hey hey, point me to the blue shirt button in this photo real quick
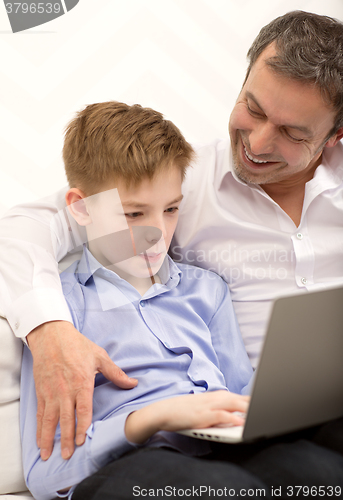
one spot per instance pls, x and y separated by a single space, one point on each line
142 303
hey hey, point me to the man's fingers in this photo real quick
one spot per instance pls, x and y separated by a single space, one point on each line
113 373
47 433
39 416
65 363
83 414
67 424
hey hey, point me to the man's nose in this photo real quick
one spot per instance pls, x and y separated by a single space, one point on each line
262 139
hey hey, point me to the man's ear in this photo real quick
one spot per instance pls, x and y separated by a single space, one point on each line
335 138
76 202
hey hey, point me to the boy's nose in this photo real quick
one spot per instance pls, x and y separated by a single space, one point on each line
153 234
144 237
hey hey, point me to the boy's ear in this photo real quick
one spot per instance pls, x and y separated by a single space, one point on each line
335 138
77 207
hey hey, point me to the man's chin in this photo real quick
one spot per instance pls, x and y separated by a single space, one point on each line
246 177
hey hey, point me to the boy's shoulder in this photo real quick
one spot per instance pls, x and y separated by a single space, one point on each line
203 290
69 278
73 294
201 278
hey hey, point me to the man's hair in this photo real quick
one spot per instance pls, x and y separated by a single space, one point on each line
309 48
112 140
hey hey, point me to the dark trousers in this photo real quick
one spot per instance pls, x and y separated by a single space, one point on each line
306 464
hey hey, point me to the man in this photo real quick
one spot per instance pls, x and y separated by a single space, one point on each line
277 216
267 214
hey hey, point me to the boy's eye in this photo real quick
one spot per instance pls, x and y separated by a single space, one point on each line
171 210
133 215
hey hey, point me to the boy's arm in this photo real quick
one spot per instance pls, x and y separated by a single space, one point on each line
185 412
108 439
31 298
209 408
105 441
228 344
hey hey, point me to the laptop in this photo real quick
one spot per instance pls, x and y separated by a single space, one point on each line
299 380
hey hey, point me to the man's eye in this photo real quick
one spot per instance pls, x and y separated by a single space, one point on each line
133 215
253 112
294 139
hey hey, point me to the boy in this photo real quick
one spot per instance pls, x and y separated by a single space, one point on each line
170 327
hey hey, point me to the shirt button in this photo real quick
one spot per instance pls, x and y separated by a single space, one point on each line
303 281
142 303
300 236
16 326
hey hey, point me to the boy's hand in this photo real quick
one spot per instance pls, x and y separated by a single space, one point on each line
64 366
185 412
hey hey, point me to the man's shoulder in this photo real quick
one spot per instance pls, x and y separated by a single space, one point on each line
214 151
211 163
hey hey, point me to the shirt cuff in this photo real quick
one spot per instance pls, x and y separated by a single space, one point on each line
36 307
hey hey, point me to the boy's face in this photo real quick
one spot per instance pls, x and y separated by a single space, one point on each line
152 204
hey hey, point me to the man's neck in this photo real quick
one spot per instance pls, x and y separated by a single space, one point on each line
289 194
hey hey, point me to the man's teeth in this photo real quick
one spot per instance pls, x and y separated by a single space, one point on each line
253 159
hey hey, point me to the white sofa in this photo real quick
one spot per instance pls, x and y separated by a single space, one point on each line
12 484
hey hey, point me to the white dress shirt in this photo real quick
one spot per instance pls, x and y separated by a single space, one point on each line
238 231
225 225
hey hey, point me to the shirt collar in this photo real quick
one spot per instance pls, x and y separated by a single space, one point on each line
88 266
227 168
330 171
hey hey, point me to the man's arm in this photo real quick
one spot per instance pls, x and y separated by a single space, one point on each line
32 300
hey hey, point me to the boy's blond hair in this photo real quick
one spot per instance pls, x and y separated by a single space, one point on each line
112 140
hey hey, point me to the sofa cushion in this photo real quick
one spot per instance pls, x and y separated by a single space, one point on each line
11 477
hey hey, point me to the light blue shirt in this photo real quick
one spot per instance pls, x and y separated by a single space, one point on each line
181 337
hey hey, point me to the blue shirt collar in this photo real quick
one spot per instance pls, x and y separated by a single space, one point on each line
169 273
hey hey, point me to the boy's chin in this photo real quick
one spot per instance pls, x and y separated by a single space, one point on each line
147 269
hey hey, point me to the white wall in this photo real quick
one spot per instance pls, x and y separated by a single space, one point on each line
185 58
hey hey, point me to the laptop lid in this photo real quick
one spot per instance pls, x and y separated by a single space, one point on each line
299 379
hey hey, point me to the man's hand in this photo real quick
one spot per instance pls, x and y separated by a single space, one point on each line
185 412
64 366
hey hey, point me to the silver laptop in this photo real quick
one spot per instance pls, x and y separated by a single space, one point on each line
299 379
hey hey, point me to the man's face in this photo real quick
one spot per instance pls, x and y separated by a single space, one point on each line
152 204
278 127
